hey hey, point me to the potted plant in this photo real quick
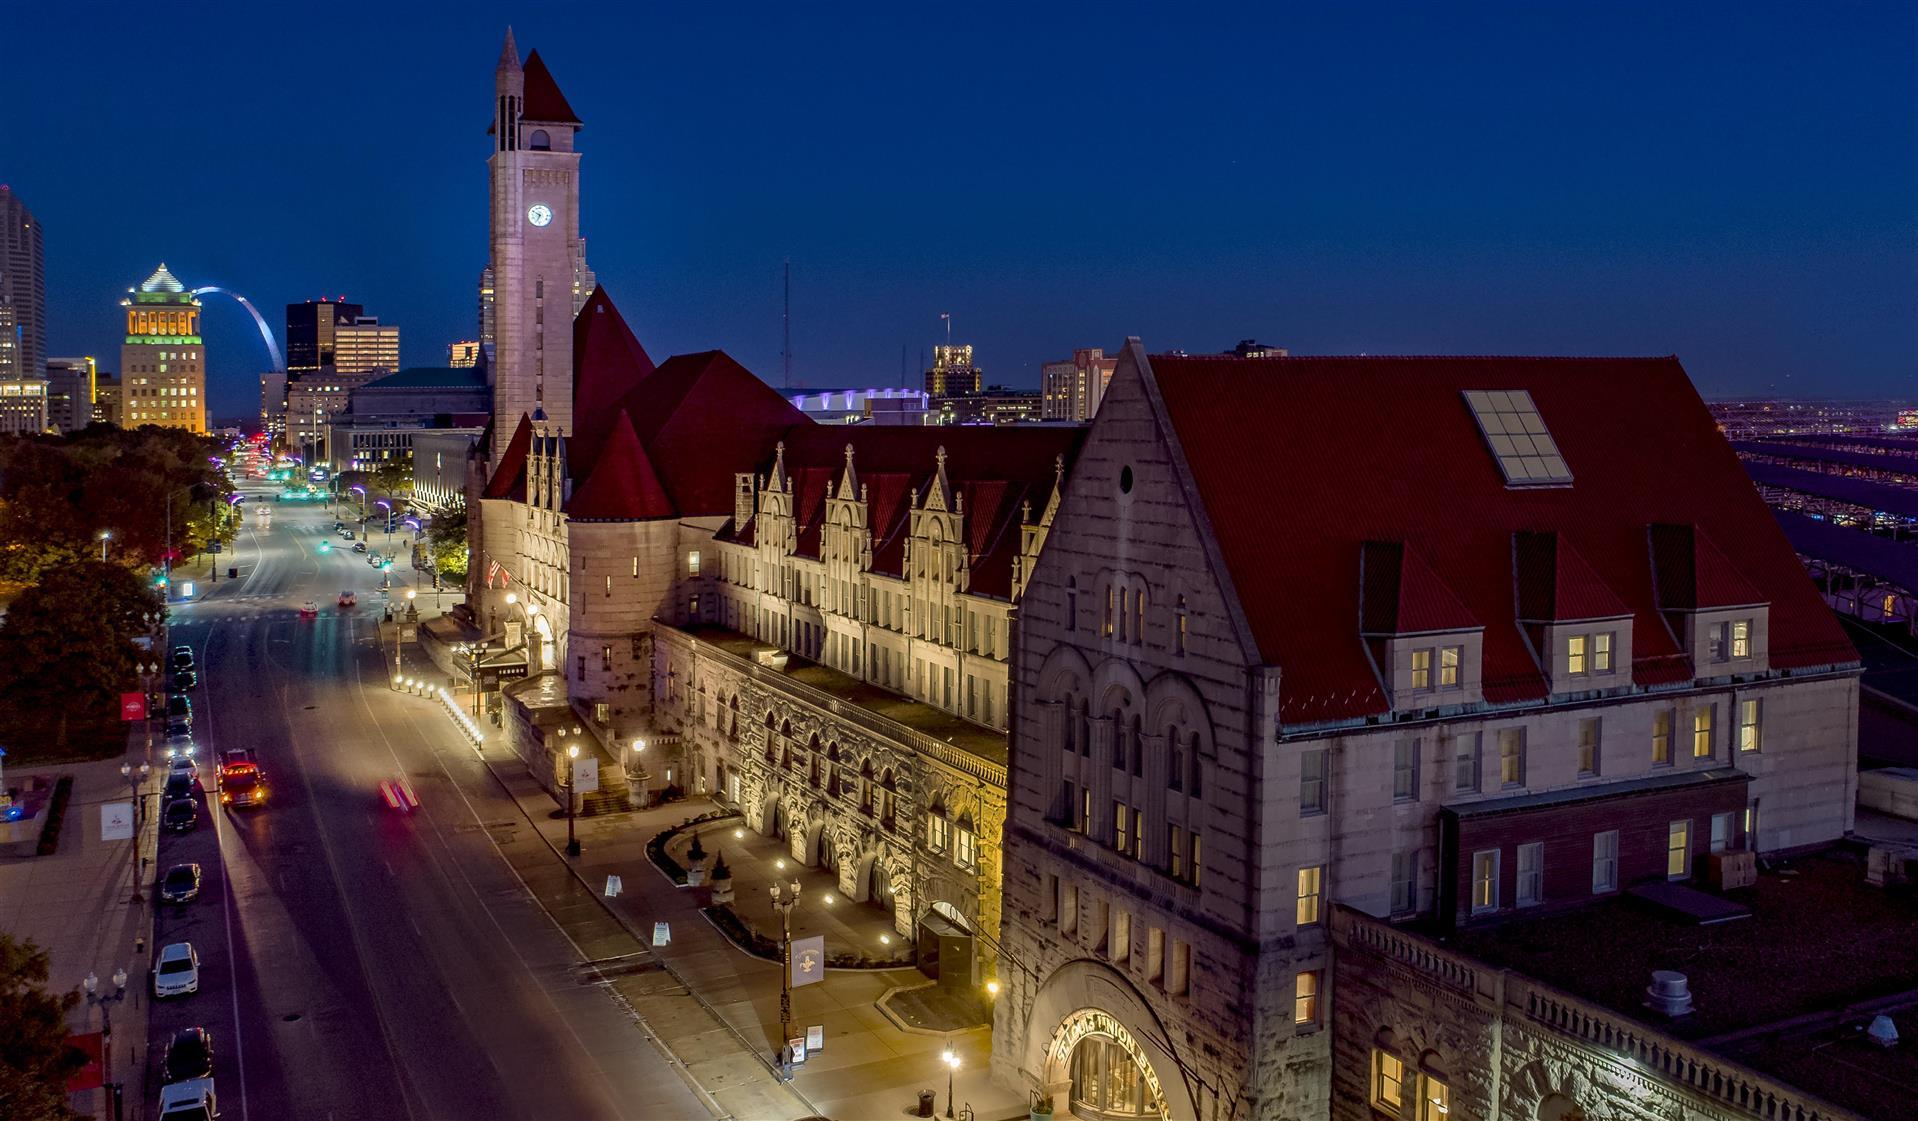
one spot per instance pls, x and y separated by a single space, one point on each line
722 881
1039 1106
695 863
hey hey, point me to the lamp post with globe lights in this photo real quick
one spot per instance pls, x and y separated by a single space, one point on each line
951 1058
136 866
785 898
105 1003
572 764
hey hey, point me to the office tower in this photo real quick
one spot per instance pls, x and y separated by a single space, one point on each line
70 392
162 360
365 349
953 373
1073 388
310 332
23 290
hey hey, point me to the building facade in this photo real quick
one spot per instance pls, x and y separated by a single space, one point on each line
162 357
23 290
1266 668
23 406
70 393
953 372
365 349
273 385
311 342
107 400
1072 389
463 355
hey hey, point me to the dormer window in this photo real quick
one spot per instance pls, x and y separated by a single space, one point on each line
1449 658
1741 638
1602 653
1575 655
1421 669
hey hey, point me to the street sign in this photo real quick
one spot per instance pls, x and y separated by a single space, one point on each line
214 548
809 960
491 676
585 774
116 821
133 706
662 934
613 887
796 1047
815 1037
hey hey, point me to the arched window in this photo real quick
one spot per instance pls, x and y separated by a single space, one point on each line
1118 738
786 745
1138 749
812 760
1175 758
732 731
1069 717
1084 720
865 787
887 800
1194 788
539 141
832 769
772 751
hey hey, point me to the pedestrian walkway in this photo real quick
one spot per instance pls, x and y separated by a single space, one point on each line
716 1008
852 929
76 904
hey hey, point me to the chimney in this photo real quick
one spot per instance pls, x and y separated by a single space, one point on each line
1669 994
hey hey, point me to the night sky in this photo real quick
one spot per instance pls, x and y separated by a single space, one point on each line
1732 183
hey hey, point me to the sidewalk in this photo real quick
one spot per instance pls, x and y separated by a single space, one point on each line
76 904
726 1029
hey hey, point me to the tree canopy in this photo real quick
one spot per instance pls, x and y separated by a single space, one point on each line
35 1058
446 538
67 651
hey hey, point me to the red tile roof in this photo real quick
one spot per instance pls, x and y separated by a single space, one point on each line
702 417
608 364
1400 594
1555 584
509 478
624 487
544 102
1301 461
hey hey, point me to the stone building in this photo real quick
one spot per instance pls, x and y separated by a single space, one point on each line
162 356
1440 639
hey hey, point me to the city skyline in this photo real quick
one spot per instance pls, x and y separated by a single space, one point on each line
1695 184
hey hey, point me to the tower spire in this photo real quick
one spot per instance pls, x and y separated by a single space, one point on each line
508 54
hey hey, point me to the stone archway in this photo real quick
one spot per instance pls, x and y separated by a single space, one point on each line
1093 1038
543 627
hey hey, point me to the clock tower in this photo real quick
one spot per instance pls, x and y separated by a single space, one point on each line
538 259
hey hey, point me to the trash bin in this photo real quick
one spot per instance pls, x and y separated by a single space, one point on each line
925 1103
233 573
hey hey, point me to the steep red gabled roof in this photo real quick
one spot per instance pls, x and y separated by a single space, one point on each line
509 478
608 364
1693 574
1386 449
544 102
703 417
1555 584
624 486
1400 594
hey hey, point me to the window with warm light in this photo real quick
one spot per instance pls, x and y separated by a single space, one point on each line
1388 1082
1742 638
1678 850
1662 721
1435 1099
1311 887
1421 669
1449 659
1484 881
1305 998
1575 655
1748 729
1702 732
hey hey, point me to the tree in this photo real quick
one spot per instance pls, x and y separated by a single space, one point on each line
66 652
394 477
446 535
35 1058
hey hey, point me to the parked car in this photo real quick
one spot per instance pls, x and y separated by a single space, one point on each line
176 729
309 610
183 657
182 763
180 784
359 546
181 884
191 1100
179 707
348 599
189 1054
337 526
182 815
243 786
184 679
177 972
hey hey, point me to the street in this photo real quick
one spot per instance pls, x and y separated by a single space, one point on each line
357 961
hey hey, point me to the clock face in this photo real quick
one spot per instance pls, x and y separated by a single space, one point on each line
539 214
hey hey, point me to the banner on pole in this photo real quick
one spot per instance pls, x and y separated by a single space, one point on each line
133 706
809 960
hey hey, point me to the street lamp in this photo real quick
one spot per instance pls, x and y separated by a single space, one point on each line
105 1003
785 898
639 748
388 507
952 1066
572 764
106 535
136 866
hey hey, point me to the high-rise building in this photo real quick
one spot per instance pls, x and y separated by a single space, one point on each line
106 400
463 355
488 318
310 332
162 358
365 349
70 393
23 290
1072 389
273 404
538 258
23 405
953 373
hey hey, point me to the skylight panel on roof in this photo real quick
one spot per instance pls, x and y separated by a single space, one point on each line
1518 438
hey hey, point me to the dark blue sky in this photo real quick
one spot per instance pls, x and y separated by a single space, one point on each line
1732 183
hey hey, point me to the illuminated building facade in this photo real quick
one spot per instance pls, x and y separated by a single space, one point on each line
70 393
23 406
953 373
463 355
162 357
1072 389
310 333
23 290
365 349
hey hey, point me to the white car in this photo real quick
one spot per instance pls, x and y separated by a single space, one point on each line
191 1100
182 764
177 972
178 746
